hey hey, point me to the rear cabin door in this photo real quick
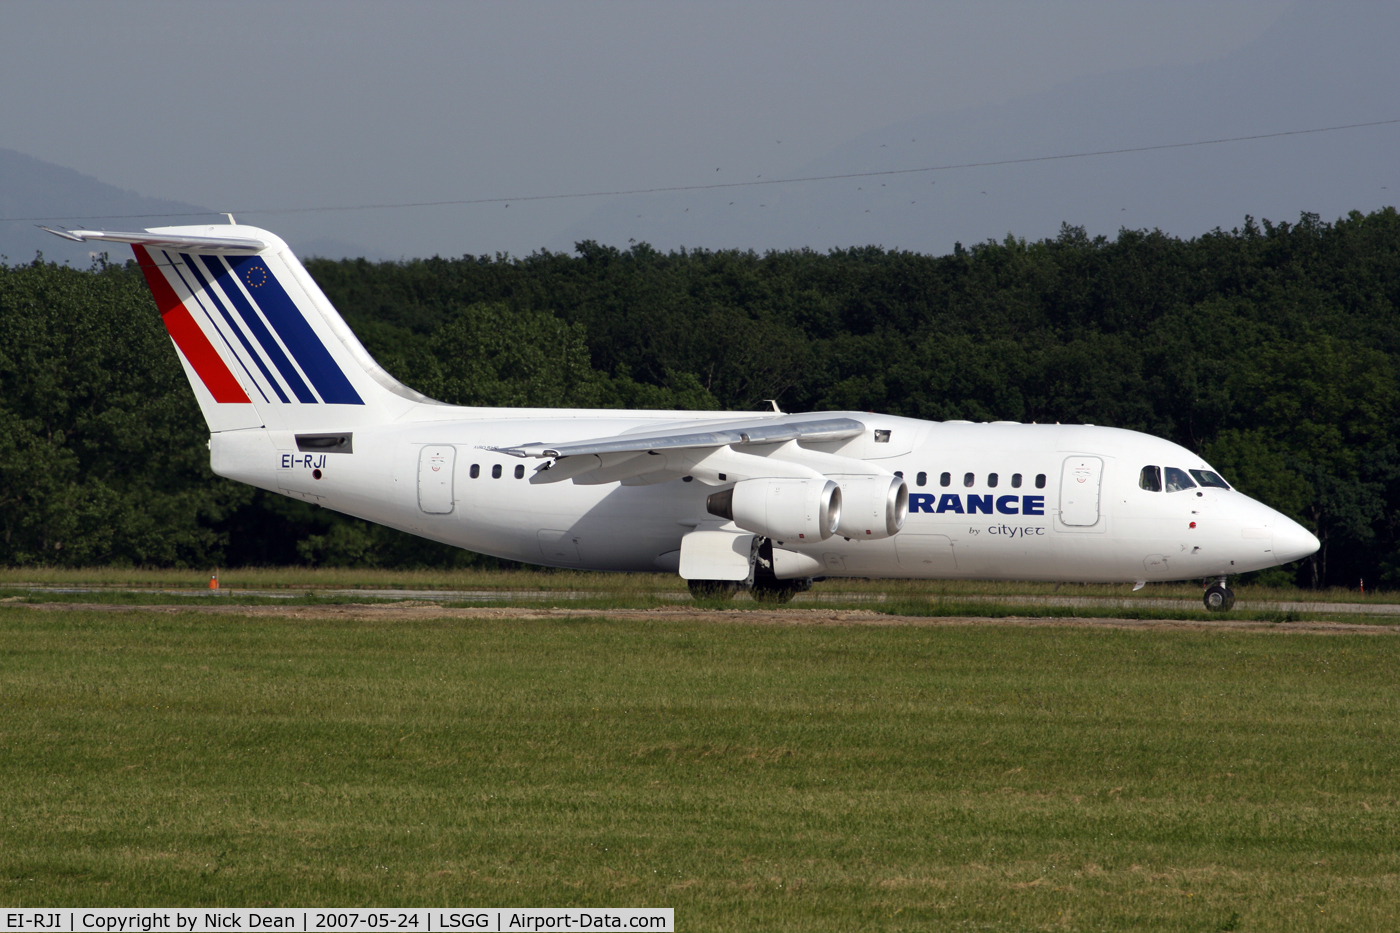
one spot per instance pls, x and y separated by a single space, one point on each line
1079 491
435 464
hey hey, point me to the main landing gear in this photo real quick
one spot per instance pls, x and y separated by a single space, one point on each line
763 584
1219 597
766 587
763 591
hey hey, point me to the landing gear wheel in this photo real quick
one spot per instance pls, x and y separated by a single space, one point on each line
766 587
716 590
1219 598
777 592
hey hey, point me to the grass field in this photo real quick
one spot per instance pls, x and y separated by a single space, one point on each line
619 585
753 777
978 606
605 592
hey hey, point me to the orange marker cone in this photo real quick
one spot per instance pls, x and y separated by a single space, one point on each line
214 580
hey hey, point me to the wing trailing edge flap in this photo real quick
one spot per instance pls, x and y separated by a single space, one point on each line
567 468
768 449
732 433
713 466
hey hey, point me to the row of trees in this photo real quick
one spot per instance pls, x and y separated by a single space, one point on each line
1272 349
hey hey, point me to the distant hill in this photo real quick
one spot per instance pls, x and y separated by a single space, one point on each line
33 188
30 187
1322 64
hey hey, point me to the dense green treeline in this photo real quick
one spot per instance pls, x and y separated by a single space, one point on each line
1272 349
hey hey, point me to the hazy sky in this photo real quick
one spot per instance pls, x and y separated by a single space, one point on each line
253 105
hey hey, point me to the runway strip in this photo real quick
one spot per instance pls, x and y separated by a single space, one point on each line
1159 604
814 617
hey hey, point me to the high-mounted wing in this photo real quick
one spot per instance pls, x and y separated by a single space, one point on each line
733 434
772 484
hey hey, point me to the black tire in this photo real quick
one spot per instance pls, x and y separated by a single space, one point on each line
1219 598
716 590
780 593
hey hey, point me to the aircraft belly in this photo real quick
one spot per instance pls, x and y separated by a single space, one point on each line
576 537
926 555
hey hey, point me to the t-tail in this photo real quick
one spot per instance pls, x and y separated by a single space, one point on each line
261 344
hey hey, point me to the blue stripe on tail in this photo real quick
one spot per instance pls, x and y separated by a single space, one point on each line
250 317
194 294
286 318
242 338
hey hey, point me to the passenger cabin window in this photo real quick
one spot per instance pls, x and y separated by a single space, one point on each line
520 472
1177 480
992 480
969 479
1040 481
1015 480
496 471
921 479
1207 478
946 479
1150 479
476 470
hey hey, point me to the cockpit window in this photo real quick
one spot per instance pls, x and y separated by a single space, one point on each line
1150 479
1177 480
1207 478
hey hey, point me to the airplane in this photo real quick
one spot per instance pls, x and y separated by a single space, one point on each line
760 501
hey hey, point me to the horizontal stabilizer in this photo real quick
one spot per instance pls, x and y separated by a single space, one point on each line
234 244
258 339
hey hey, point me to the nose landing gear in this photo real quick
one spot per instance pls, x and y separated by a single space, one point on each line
1219 597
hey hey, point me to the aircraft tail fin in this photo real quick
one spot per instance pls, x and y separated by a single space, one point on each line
261 344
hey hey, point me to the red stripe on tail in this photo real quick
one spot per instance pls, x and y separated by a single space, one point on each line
188 336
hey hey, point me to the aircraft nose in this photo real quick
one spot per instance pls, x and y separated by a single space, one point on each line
1292 541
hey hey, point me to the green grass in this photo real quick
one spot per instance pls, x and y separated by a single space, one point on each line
752 777
955 608
334 577
620 584
986 606
11 594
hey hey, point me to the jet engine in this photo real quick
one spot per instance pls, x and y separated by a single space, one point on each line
873 507
786 509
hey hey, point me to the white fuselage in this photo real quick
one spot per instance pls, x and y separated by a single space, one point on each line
297 405
443 480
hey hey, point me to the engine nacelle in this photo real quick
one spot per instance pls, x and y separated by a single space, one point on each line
873 507
785 509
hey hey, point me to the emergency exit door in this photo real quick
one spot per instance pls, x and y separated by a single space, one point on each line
435 466
1079 491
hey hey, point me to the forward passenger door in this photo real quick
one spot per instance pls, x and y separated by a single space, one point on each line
1080 484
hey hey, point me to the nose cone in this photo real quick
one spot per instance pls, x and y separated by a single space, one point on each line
1292 541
